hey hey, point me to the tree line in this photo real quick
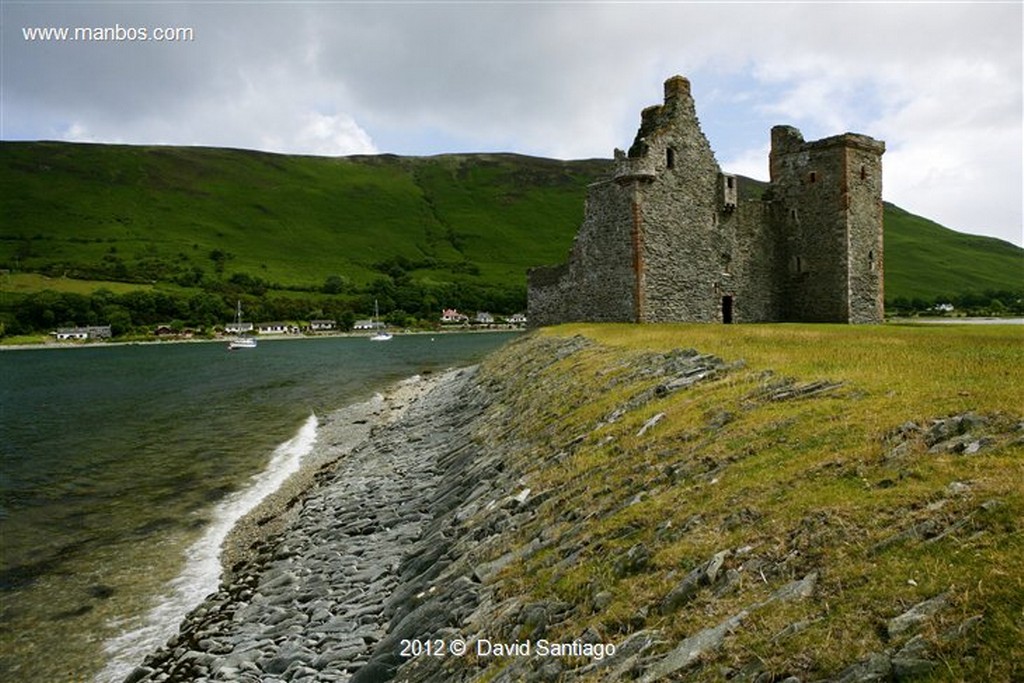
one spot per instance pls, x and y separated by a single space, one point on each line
990 302
404 303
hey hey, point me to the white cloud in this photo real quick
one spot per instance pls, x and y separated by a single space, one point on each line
752 163
76 132
331 135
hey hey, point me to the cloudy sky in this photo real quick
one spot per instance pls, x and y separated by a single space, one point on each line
939 82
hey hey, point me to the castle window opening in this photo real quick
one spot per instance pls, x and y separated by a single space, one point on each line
863 173
871 260
727 309
670 157
728 192
814 177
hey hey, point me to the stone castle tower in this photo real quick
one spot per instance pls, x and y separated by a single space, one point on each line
667 238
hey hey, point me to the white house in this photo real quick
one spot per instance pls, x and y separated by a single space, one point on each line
451 316
277 328
71 334
483 318
82 333
238 328
517 319
368 325
322 325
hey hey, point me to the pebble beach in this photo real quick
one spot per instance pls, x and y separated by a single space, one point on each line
310 575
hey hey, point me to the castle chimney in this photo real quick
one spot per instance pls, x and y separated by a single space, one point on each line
785 139
676 87
649 118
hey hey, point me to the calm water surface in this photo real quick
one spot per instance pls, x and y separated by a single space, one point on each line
115 461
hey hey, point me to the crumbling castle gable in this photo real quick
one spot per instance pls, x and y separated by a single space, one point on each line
666 237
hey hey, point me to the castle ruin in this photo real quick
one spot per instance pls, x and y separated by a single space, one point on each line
668 237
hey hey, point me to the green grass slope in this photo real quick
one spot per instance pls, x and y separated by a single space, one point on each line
158 214
676 496
925 259
155 213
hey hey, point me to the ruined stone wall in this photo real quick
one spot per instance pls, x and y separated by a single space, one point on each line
683 241
598 282
809 207
757 260
665 238
864 230
826 205
546 295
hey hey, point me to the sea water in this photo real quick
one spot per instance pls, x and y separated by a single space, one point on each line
123 468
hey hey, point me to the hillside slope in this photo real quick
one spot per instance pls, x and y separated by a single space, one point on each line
174 214
156 213
925 259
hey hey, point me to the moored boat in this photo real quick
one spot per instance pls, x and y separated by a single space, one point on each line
380 334
241 341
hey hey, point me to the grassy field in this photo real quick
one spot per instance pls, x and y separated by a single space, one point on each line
145 214
24 283
866 479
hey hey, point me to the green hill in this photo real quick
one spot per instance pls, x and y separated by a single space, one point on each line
925 259
419 232
153 213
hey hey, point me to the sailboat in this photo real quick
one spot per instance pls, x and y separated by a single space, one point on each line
379 334
241 342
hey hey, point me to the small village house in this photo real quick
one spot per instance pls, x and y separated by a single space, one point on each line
82 333
277 328
451 316
238 328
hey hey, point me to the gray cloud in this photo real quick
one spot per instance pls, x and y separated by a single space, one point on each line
941 83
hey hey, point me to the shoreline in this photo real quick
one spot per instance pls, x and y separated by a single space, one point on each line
344 448
188 443
53 345
223 340
339 433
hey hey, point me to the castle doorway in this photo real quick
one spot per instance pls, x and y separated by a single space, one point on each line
727 309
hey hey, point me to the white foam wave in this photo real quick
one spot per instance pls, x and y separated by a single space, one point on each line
202 572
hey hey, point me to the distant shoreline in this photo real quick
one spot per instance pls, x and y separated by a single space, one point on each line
959 321
330 335
223 340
